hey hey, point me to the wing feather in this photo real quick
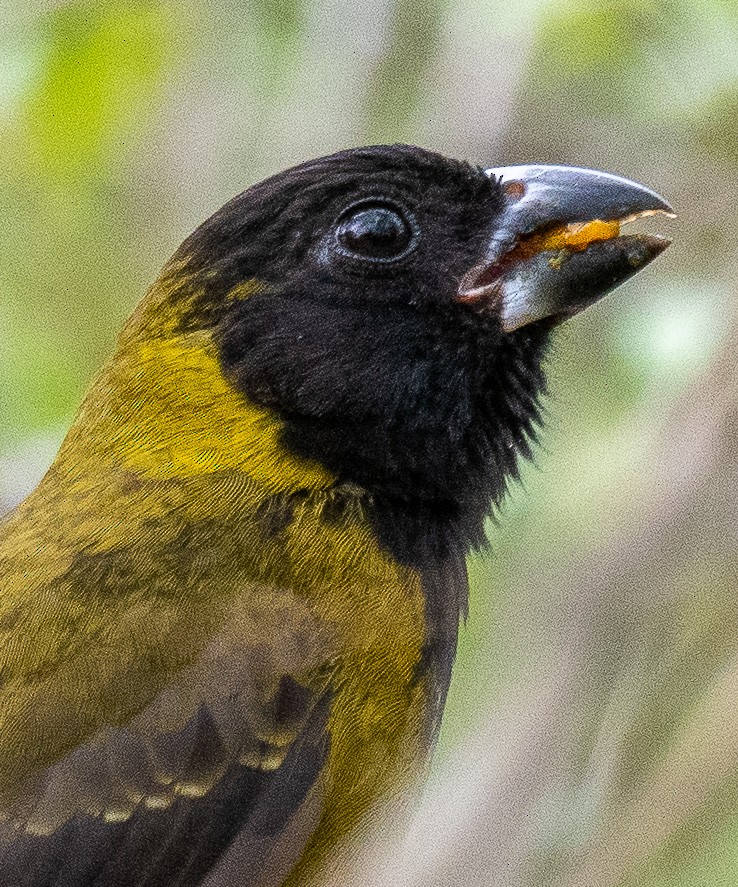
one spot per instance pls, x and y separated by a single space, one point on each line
178 826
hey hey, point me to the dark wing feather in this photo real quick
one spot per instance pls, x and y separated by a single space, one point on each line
170 839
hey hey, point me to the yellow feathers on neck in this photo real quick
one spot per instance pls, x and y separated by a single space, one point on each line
162 409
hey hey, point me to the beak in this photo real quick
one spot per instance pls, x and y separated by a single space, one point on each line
557 247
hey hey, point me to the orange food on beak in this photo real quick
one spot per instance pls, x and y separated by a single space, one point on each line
573 237
577 237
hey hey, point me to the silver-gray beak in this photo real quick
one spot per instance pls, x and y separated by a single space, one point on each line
556 247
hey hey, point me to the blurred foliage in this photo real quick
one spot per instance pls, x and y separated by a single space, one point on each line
123 123
407 60
103 68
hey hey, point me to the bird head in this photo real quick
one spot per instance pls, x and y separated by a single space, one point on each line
391 308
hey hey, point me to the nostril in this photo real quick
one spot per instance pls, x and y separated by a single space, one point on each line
514 189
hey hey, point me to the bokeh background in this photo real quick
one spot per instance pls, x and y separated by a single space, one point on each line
591 738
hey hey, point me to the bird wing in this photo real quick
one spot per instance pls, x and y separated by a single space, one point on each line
123 811
141 732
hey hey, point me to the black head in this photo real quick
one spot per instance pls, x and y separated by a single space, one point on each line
332 291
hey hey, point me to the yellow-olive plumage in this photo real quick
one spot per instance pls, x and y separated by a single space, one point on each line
190 459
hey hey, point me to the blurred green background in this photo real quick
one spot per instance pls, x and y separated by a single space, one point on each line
592 731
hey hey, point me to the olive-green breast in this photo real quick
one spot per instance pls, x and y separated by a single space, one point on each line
179 581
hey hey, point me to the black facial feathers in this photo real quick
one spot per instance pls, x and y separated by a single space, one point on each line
268 231
356 341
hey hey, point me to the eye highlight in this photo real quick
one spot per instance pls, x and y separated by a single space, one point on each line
375 231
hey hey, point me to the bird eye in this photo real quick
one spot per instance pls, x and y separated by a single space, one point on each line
374 231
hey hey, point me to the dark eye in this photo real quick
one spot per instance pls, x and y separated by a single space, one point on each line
374 231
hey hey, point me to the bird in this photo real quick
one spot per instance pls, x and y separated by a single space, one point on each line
229 611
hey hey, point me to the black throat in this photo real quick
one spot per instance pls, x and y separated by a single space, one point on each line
427 411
